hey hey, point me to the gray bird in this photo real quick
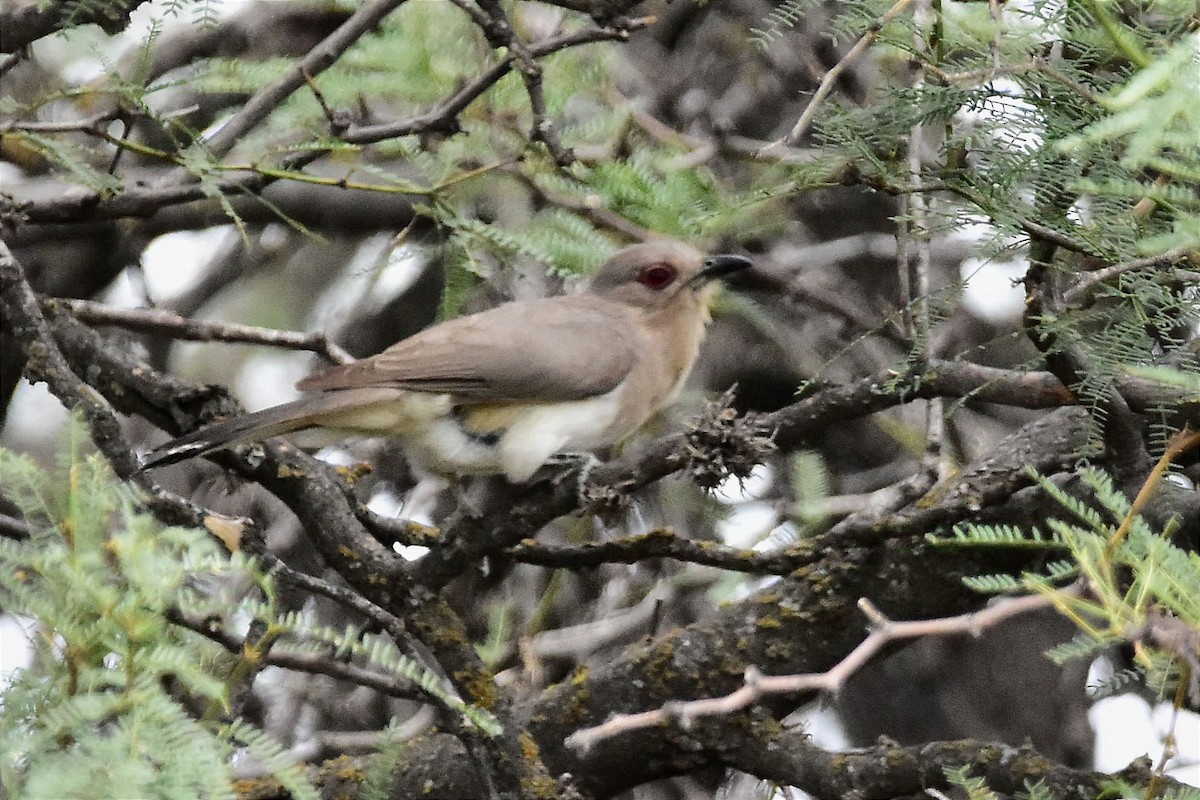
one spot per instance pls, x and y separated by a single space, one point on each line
504 390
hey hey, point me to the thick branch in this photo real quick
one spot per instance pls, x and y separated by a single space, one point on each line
1044 304
532 507
45 361
756 686
1048 445
316 496
805 623
22 24
888 771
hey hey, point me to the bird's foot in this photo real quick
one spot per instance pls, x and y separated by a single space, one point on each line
601 501
581 465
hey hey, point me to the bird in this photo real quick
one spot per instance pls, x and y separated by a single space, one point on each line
506 390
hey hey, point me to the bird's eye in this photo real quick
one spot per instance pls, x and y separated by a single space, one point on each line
657 276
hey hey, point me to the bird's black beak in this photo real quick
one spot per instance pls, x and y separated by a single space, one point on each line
721 265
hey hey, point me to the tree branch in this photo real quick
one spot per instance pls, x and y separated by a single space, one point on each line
167 324
150 191
24 23
304 662
442 116
320 58
1084 284
889 771
756 685
45 361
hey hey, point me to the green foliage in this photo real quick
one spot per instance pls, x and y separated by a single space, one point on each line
1134 575
305 634
1009 537
99 712
109 705
1078 647
1055 116
422 53
975 788
1072 137
1126 789
1153 116
785 15
486 185
272 756
811 484
690 204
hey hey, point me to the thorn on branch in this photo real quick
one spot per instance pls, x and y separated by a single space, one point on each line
339 120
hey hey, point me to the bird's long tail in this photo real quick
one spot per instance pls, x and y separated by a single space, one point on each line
294 416
298 415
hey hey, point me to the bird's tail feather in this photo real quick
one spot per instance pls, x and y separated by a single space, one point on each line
294 416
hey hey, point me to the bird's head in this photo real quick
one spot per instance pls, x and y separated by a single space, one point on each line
653 275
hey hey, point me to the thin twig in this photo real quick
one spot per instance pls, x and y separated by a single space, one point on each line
303 662
317 60
10 61
143 201
501 34
756 685
337 121
996 46
441 117
1085 283
1039 231
1179 445
393 625
1046 68
919 207
599 215
831 77
795 281
177 327
86 125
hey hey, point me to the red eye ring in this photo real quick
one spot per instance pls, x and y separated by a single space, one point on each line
657 276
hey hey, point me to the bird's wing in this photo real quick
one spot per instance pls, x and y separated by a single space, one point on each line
555 349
